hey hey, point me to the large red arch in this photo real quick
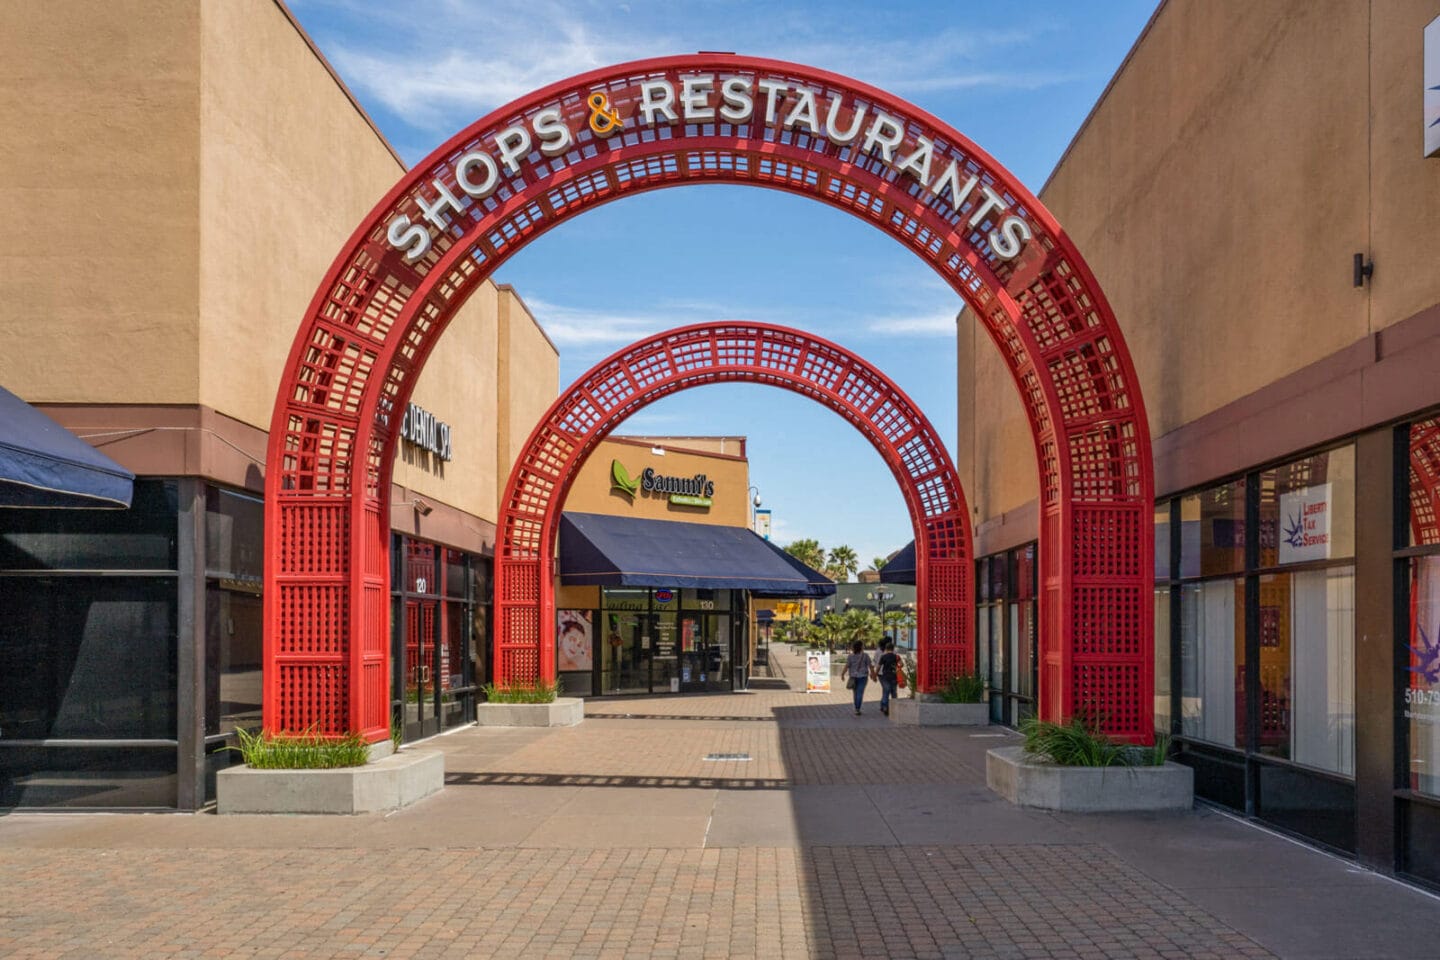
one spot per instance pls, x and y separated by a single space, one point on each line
637 376
449 223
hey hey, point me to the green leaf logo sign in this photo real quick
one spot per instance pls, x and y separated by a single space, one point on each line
620 480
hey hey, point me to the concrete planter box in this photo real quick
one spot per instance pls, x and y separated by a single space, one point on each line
563 712
933 713
393 782
1027 782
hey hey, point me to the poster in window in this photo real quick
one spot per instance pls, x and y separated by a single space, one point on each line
573 640
1305 524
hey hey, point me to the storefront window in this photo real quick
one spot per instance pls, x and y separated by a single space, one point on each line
1212 531
1212 661
438 629
1162 659
1307 509
1421 709
234 627
1162 541
705 599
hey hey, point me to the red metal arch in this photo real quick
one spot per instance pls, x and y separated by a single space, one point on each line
686 357
377 315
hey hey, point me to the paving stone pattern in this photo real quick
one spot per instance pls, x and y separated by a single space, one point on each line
823 902
840 837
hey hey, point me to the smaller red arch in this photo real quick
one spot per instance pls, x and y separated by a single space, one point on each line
693 356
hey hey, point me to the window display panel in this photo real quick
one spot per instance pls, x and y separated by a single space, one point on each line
1162 660
1425 483
1212 531
1307 668
234 629
1307 509
1212 662
234 536
456 699
1162 540
141 538
692 599
1322 663
1421 672
88 658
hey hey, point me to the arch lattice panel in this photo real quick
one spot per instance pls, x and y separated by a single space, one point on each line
382 306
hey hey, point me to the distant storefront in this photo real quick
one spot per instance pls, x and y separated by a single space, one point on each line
655 587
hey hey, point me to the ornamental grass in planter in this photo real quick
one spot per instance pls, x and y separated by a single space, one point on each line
308 750
1076 743
963 689
523 691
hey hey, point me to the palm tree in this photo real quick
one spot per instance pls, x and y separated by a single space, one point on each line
831 630
842 562
808 552
862 625
877 564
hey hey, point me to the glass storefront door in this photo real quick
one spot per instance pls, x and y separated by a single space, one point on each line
624 656
694 653
668 641
421 716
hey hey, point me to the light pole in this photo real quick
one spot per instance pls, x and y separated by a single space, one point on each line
754 505
910 611
880 596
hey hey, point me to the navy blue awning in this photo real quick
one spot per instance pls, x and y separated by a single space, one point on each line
601 550
44 465
900 568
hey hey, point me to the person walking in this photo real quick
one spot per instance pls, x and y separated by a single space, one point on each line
858 669
887 670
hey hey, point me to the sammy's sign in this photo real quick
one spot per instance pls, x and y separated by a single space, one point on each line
1305 524
693 106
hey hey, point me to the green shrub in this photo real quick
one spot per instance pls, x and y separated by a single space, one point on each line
523 691
308 750
1071 744
964 689
1076 743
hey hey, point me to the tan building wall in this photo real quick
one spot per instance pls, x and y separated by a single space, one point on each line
99 163
209 174
593 492
1219 190
288 168
529 374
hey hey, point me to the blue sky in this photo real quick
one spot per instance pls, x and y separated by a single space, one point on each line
1018 78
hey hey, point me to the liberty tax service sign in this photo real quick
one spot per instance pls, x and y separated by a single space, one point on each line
817 672
1305 524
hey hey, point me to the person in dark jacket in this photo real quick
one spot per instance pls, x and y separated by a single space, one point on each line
888 668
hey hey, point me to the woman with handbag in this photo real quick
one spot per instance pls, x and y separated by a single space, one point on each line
858 669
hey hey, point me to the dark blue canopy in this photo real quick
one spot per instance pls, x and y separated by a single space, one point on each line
44 465
598 549
900 568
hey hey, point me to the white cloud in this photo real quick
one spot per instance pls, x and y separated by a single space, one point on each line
430 63
920 325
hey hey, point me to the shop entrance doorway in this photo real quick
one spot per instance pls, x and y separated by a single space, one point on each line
708 118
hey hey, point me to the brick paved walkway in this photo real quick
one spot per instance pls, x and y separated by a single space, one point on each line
840 837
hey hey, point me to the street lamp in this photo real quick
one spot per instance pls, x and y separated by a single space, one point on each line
910 611
880 596
754 505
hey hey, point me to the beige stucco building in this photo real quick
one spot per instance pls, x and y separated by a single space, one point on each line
1252 193
187 173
